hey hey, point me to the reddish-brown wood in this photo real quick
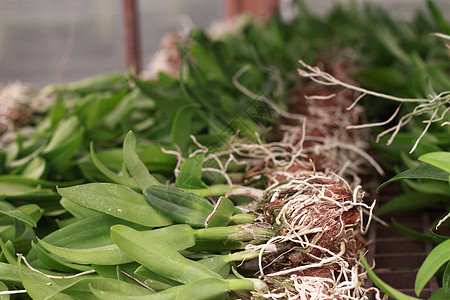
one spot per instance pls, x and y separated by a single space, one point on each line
131 35
259 8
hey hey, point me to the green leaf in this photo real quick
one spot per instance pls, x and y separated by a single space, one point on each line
179 205
80 288
103 255
222 215
206 289
10 274
436 259
3 288
57 112
101 108
59 156
35 169
440 160
181 126
446 279
429 187
65 131
33 183
134 164
14 189
38 286
420 172
217 264
9 252
115 200
411 233
110 294
190 176
86 242
19 215
410 201
439 17
78 210
382 285
440 294
120 289
100 249
54 262
157 256
155 281
90 85
126 181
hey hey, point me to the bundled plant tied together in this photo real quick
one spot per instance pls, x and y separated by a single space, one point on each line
319 221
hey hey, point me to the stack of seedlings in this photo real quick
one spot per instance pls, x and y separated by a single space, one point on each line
222 175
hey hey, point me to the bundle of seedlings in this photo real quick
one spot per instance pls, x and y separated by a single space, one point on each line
154 226
317 215
18 105
318 218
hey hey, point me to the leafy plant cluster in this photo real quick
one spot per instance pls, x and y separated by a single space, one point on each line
89 220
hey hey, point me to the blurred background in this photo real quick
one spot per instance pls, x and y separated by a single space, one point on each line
48 41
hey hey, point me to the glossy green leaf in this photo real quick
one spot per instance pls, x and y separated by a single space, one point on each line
77 210
115 200
206 289
215 246
13 189
411 233
9 252
54 262
155 159
99 249
446 279
38 286
80 288
439 238
118 288
157 256
57 112
155 281
126 181
179 236
3 288
58 159
108 294
33 183
392 292
19 215
440 294
181 206
134 164
181 126
439 17
222 213
104 255
429 187
32 210
65 131
436 259
410 201
101 108
420 172
35 169
190 175
440 160
10 274
86 242
90 85
217 264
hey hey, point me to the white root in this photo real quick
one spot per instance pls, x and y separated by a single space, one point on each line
424 106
